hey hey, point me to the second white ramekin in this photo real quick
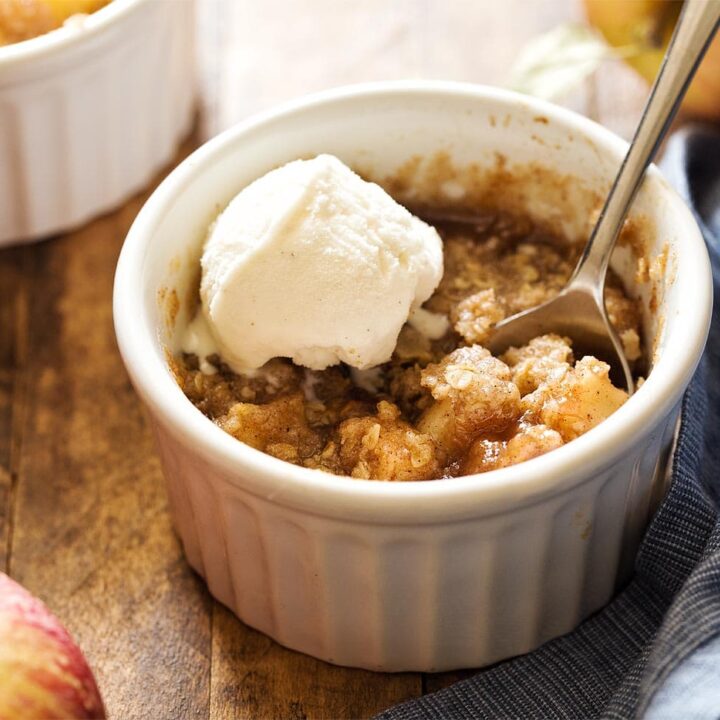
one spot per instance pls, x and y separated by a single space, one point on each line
90 112
441 574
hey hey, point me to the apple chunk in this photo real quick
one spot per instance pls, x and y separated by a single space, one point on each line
43 673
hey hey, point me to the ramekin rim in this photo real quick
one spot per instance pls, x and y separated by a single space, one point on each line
62 37
289 484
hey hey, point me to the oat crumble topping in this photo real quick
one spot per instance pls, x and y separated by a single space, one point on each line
443 407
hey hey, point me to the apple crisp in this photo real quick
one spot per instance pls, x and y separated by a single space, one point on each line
25 19
439 408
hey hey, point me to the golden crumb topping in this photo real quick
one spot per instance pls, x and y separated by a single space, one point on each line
441 407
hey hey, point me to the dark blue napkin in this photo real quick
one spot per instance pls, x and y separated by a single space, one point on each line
654 651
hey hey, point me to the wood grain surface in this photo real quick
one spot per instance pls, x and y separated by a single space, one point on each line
83 511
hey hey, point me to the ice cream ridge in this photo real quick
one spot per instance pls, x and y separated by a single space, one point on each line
313 263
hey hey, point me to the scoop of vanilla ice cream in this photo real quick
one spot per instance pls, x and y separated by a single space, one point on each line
313 263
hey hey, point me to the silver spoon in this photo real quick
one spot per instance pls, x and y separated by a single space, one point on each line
579 310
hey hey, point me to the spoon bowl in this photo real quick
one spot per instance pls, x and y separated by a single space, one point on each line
575 313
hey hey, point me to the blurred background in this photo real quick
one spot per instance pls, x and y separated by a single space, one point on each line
255 54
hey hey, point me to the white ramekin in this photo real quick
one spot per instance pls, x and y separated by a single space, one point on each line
89 112
421 575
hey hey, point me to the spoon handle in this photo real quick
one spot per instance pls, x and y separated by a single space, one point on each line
695 29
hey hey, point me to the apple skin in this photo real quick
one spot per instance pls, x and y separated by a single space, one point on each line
703 95
649 24
43 673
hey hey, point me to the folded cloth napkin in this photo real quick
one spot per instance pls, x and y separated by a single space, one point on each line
654 651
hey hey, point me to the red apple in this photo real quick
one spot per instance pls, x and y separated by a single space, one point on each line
43 673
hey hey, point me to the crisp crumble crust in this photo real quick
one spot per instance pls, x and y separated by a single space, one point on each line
446 407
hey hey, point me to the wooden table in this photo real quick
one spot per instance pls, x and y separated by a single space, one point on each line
83 511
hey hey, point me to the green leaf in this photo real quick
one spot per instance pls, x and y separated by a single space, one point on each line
558 61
